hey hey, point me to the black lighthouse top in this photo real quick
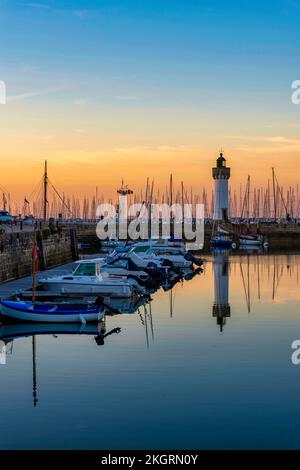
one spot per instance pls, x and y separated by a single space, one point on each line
221 161
221 171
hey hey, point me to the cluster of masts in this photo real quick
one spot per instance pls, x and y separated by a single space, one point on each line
249 202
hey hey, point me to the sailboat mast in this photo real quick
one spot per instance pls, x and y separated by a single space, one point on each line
182 199
248 199
171 189
274 194
45 191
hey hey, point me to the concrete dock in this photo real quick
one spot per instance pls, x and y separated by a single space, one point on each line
8 288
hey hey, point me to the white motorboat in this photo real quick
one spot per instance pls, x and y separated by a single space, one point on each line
148 254
124 267
109 245
87 279
165 246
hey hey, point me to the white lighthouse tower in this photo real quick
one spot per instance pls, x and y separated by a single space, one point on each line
221 175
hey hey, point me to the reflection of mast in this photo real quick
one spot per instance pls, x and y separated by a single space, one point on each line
146 326
147 317
171 303
151 322
246 288
221 307
258 278
276 278
34 387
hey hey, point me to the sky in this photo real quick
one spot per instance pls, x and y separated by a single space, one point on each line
109 89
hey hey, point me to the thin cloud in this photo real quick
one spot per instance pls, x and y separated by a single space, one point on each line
277 139
30 94
41 6
269 150
80 102
80 13
133 97
44 6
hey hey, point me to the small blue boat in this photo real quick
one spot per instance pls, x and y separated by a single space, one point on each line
223 241
50 312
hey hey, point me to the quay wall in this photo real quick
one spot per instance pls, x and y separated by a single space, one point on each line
280 236
61 245
16 251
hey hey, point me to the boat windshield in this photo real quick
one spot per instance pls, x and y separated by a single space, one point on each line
140 249
87 269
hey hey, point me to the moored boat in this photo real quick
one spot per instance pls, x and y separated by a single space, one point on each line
252 240
50 312
222 241
87 279
222 238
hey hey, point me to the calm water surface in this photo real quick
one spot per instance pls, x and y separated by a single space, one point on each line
207 366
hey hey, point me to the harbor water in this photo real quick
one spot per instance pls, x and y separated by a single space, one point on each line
205 365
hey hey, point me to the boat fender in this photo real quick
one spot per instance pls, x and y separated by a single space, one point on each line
82 319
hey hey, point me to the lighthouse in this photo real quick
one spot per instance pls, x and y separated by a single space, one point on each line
221 306
221 175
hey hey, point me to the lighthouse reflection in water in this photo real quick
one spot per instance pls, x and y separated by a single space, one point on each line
221 307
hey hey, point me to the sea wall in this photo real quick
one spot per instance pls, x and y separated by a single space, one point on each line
54 249
280 236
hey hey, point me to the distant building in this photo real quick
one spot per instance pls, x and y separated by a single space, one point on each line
221 175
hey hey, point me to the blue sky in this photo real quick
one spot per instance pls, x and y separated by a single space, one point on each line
152 45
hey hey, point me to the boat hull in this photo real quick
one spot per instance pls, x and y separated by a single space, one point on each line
222 243
103 289
244 242
28 312
11 331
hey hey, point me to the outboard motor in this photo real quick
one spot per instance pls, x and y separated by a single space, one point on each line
152 269
169 264
190 276
189 257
